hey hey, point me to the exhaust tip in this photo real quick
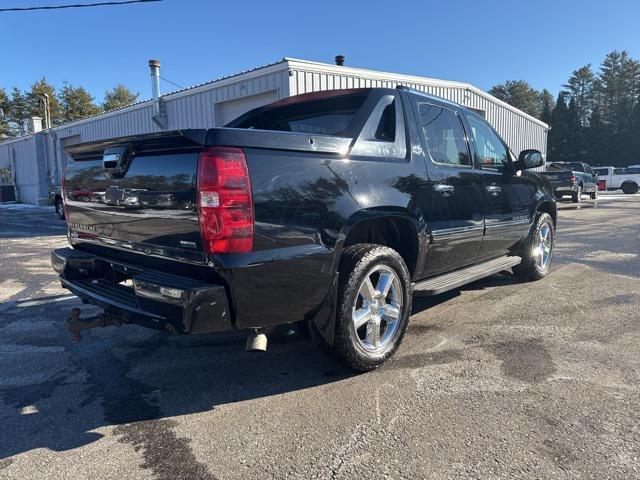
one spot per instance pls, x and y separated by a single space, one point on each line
256 342
154 63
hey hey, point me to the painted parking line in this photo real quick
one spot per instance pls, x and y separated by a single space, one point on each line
33 303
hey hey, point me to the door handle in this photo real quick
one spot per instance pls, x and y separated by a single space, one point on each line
494 190
443 188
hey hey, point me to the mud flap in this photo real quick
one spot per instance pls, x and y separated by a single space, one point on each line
325 318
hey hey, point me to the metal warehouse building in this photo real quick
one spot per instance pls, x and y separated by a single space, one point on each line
33 163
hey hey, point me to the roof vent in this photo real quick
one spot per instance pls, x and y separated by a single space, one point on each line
340 60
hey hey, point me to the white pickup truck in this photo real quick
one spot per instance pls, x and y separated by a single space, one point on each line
610 178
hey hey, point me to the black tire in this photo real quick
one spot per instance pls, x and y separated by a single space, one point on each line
630 188
576 197
594 194
529 268
357 263
59 208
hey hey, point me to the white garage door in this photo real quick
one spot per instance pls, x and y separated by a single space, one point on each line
227 111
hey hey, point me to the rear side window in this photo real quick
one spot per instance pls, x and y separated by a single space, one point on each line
444 135
327 116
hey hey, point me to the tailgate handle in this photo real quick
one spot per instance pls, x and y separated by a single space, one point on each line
115 161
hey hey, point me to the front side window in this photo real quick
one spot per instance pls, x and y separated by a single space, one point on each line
490 150
444 135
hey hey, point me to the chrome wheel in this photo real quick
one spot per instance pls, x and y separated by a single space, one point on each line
543 246
377 310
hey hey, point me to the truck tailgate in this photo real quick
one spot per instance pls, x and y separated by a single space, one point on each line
150 208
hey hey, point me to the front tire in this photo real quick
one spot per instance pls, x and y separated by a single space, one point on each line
537 251
374 304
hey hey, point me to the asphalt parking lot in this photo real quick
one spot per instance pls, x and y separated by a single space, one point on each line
497 380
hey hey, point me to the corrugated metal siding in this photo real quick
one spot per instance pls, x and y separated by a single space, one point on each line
23 157
517 130
190 109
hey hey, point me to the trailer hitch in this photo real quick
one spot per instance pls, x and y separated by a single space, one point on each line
74 324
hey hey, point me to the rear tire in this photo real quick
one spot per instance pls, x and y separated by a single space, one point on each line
576 197
59 208
630 188
537 251
374 304
594 194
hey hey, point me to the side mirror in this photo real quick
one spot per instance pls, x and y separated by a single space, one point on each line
529 159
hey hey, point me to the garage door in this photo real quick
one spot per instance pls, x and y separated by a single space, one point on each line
227 111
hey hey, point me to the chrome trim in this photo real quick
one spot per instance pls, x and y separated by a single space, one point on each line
443 187
507 223
455 232
191 257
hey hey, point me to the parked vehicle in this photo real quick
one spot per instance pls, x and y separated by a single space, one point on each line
330 208
55 195
626 179
572 178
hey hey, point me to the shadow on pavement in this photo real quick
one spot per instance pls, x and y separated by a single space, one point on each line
55 394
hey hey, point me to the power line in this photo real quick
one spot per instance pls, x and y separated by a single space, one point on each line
172 83
76 5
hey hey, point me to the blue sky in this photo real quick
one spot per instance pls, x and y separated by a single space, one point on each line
480 42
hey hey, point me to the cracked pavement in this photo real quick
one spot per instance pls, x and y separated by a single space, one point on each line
496 380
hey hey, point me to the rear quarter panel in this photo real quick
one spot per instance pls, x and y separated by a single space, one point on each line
304 205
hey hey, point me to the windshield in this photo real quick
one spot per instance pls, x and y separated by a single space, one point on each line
325 116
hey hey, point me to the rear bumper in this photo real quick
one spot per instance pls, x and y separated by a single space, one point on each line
565 188
152 299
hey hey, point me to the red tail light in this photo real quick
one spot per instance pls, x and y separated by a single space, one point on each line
572 179
224 201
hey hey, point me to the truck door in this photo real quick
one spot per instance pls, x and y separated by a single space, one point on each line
508 194
453 200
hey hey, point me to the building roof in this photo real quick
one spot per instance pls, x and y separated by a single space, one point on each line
300 64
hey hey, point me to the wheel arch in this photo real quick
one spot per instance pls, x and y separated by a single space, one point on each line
393 228
548 206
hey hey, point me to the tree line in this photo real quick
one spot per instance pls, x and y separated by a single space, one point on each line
596 116
66 104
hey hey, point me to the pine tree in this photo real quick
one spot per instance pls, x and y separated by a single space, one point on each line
519 94
35 103
546 106
558 142
5 129
576 134
77 103
118 97
580 89
18 112
596 138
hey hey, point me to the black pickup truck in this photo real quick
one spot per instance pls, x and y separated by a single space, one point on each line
330 208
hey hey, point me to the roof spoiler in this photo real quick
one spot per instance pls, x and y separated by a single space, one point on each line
174 139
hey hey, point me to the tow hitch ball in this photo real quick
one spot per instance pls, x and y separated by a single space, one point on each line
75 324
